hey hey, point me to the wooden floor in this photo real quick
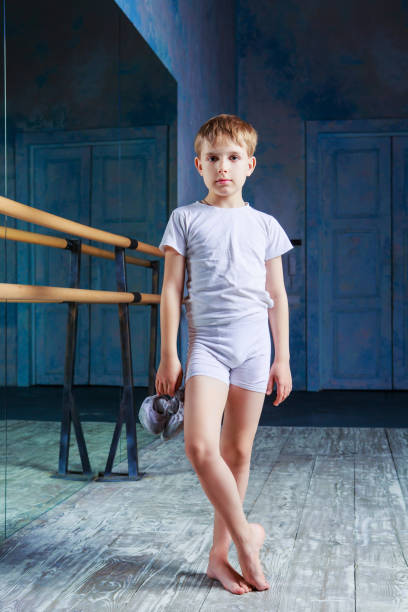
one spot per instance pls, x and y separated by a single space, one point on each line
333 502
30 459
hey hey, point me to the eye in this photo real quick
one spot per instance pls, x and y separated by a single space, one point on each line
211 157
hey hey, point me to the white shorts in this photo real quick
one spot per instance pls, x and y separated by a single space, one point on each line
237 352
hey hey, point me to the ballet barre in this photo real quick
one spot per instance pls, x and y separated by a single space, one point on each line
40 217
10 291
73 295
63 243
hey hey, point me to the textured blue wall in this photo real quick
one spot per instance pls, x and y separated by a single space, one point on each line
308 61
311 61
277 64
196 42
77 68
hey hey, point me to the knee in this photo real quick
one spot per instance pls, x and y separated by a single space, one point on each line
236 456
199 452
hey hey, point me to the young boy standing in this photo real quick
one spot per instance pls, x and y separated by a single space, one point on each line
235 287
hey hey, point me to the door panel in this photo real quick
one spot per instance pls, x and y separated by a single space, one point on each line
128 196
355 262
400 261
61 186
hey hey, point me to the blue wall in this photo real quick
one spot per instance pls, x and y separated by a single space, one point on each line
196 42
311 61
278 64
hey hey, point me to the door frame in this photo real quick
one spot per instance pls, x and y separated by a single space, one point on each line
25 143
313 129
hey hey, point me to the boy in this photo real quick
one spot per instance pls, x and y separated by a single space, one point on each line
235 284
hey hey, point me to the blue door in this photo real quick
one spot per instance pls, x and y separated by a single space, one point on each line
59 182
112 183
128 198
400 260
357 259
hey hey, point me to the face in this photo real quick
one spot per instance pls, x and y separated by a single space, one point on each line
224 159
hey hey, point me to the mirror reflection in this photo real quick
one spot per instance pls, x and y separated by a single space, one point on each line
89 134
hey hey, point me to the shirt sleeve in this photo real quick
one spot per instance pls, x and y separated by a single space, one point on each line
175 233
278 241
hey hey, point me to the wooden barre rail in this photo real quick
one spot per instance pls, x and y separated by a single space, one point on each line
68 294
10 292
32 301
46 219
10 233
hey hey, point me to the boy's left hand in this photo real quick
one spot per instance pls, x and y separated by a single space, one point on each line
280 373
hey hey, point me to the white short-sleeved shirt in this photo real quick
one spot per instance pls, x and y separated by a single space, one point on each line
225 251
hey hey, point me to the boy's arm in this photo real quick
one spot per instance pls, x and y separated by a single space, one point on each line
170 301
279 314
170 374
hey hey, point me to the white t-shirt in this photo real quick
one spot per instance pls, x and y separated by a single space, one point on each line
225 251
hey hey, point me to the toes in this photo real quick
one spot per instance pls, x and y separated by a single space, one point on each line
245 586
240 588
233 582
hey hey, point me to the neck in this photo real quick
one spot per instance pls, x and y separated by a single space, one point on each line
235 201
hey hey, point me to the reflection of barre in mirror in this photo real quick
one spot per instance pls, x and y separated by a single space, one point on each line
9 291
46 219
72 295
62 243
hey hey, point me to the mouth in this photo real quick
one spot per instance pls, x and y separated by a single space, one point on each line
223 181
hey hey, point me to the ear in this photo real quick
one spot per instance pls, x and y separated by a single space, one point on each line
252 164
198 164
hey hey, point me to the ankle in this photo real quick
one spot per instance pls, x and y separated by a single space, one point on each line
219 552
245 537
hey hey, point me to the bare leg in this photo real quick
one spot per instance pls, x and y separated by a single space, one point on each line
241 418
221 536
205 398
219 566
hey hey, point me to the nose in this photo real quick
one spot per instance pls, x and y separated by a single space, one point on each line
223 165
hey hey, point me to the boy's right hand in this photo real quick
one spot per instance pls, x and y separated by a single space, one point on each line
169 376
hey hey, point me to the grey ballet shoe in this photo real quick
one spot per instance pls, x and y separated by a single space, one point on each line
175 423
161 414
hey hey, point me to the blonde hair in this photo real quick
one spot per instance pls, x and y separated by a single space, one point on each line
231 126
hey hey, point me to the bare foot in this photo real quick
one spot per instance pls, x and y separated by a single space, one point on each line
220 569
248 555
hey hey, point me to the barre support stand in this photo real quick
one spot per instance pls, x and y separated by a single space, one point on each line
127 404
69 412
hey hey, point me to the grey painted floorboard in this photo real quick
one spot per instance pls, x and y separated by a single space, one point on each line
31 457
333 502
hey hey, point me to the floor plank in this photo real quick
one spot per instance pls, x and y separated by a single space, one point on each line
333 502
